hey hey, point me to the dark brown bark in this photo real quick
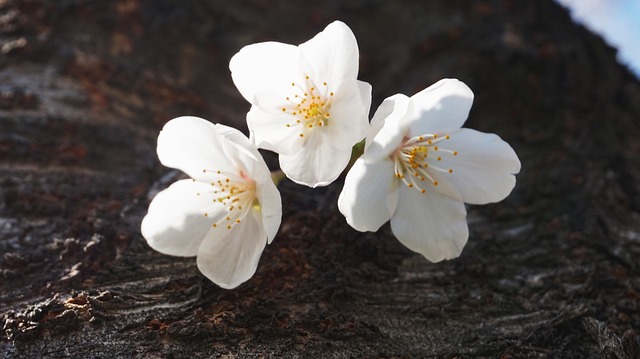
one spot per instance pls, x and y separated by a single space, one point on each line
551 272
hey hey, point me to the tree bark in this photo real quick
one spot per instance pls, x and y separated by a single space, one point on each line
85 86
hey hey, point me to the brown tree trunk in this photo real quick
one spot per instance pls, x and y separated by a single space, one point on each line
85 86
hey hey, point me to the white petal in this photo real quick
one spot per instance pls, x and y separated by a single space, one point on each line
332 55
317 164
230 257
388 128
349 114
239 150
430 224
260 67
365 91
266 191
268 124
271 207
192 144
369 196
484 168
443 106
175 223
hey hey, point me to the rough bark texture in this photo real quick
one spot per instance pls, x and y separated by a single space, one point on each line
85 86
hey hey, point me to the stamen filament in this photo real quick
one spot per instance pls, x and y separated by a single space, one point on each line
309 106
411 162
235 192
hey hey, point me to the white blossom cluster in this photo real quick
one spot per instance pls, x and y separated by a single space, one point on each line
418 169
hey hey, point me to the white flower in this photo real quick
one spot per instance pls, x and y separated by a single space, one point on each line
307 104
226 213
419 167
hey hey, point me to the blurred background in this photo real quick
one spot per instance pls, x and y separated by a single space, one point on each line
618 21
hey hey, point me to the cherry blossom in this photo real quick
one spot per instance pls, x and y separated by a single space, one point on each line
307 104
419 167
228 210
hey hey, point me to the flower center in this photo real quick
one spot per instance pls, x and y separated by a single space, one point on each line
236 193
309 106
417 160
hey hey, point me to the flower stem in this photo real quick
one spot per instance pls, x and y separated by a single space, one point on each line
356 152
277 176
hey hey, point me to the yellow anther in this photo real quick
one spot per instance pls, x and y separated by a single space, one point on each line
312 109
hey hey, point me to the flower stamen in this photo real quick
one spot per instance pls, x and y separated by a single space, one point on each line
310 106
236 192
412 164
